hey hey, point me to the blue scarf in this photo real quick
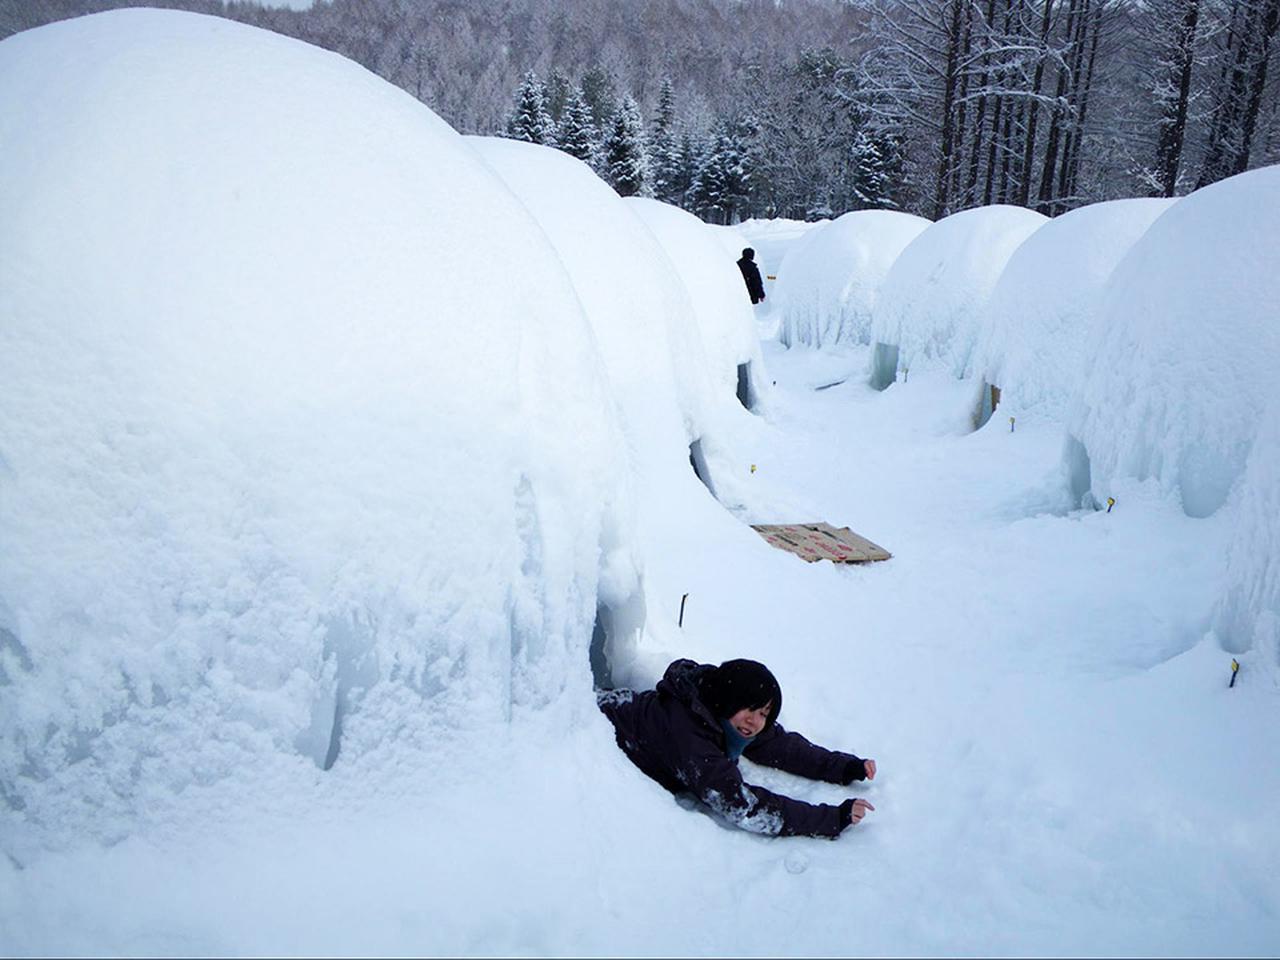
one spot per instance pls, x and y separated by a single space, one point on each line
734 742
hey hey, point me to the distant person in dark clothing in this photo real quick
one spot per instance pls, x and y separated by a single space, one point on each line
751 274
689 732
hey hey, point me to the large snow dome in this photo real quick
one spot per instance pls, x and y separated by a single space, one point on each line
641 314
1043 311
720 301
1189 346
830 279
644 325
301 425
932 304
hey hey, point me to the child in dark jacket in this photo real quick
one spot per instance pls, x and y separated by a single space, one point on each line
689 732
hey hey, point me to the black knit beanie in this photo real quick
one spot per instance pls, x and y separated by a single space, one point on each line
737 685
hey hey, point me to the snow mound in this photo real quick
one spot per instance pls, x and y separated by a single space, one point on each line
1185 363
642 318
305 449
641 315
831 277
932 305
720 301
1044 308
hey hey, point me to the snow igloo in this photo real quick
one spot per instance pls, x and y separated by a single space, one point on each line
1042 316
1184 364
1181 388
721 306
830 280
932 305
643 321
302 427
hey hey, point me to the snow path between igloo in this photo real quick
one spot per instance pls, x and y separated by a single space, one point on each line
1062 767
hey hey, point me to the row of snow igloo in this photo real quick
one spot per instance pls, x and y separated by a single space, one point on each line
324 430
1148 329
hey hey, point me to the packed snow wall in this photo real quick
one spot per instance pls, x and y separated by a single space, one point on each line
1184 364
830 280
932 305
306 451
1043 313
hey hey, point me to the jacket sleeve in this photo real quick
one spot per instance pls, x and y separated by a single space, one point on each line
717 782
782 749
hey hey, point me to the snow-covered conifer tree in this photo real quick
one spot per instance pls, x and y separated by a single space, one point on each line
598 90
626 165
576 135
722 185
556 94
876 162
530 120
665 158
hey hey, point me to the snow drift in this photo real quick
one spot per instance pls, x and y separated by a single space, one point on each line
829 282
1043 312
302 428
932 305
1186 360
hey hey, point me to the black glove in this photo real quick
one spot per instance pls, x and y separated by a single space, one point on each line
855 769
846 813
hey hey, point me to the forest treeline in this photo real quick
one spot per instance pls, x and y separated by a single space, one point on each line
810 108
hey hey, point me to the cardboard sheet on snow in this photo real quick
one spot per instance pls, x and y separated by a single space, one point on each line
821 541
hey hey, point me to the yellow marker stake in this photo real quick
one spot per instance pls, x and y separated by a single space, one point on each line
753 468
1235 668
1111 502
1011 424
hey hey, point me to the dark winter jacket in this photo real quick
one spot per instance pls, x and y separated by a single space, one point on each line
751 274
671 735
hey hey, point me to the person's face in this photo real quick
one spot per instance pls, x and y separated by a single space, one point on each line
749 722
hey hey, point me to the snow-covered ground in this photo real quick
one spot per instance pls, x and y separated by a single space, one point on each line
1063 769
260 693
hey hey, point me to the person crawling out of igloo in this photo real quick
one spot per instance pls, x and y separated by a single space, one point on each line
689 733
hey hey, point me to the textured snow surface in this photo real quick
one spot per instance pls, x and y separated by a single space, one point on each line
830 280
1043 315
721 305
304 414
299 418
1186 361
1248 617
932 305
643 322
